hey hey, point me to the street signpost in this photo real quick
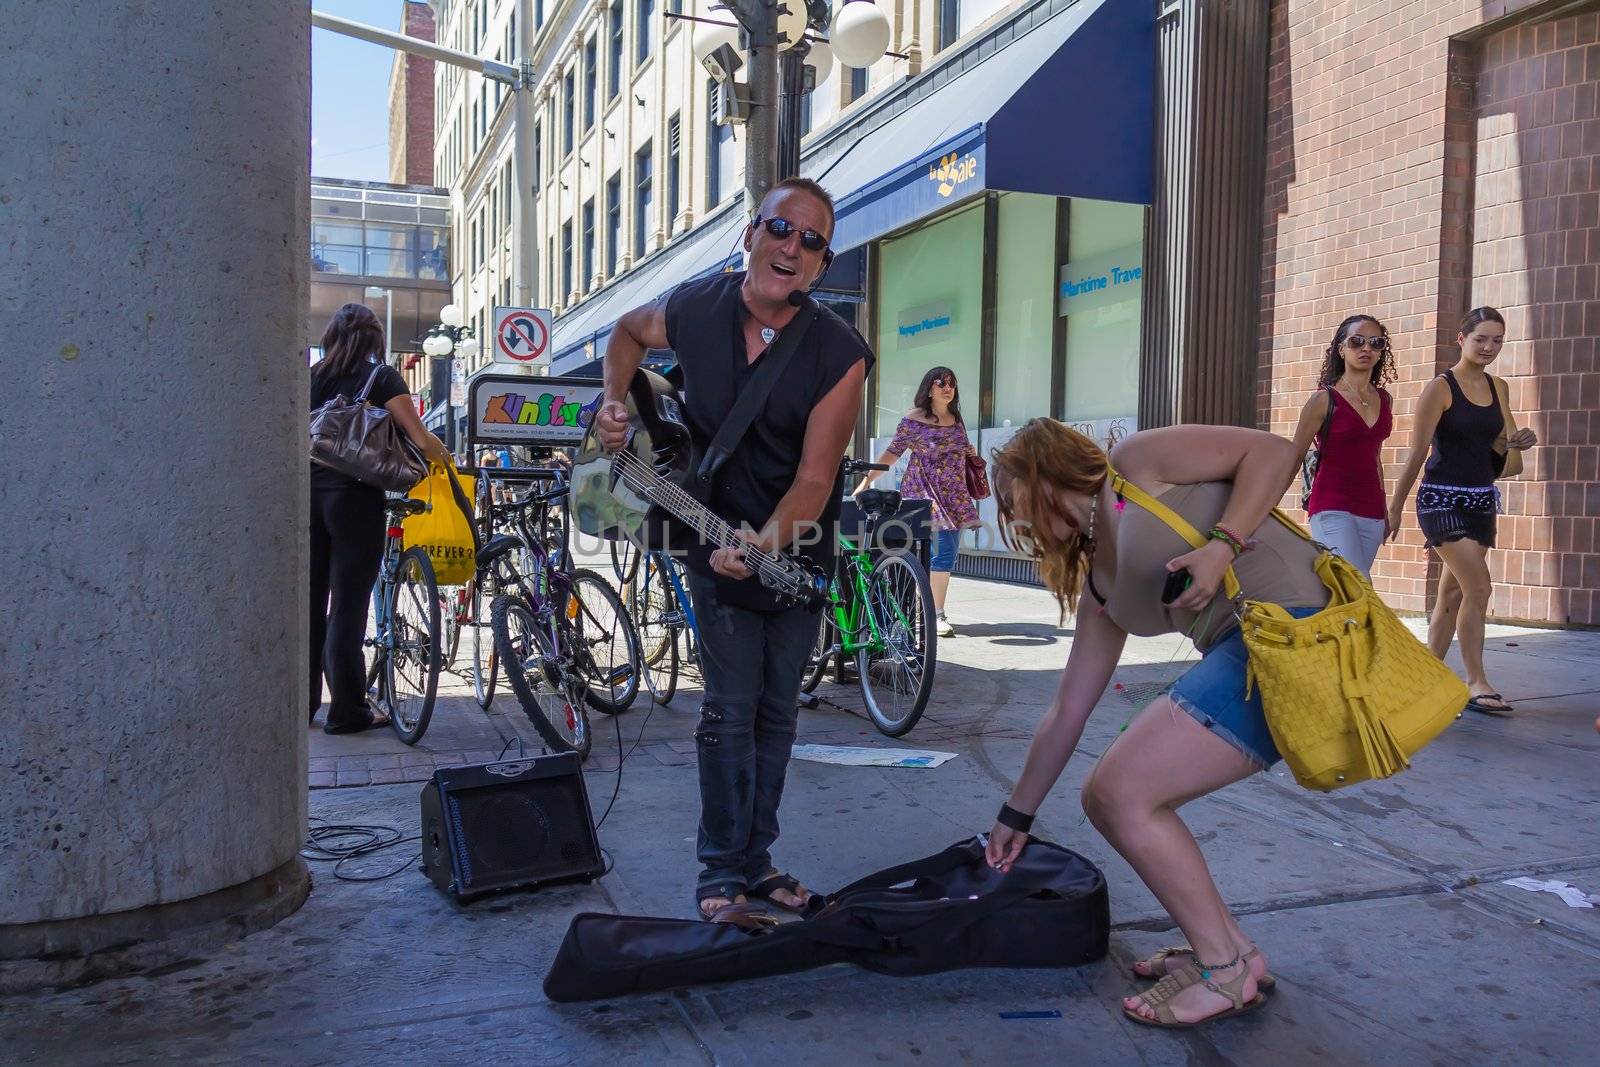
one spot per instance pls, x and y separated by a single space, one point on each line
522 336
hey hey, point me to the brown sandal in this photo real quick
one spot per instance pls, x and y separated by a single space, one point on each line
1266 983
1157 996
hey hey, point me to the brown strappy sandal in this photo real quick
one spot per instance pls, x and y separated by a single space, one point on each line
1266 983
1159 994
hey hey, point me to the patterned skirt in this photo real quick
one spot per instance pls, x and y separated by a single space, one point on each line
1453 512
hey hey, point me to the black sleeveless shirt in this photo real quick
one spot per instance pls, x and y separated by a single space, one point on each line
705 326
1463 453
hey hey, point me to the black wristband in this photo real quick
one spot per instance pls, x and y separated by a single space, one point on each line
1013 819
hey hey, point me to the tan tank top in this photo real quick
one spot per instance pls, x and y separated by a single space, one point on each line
1279 569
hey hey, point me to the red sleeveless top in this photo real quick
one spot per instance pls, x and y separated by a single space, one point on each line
1347 472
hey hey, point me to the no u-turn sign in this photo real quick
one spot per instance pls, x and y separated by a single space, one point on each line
522 336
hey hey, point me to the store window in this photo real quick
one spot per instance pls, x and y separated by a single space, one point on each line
930 313
1100 290
1025 307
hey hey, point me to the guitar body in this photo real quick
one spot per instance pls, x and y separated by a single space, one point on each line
633 494
605 505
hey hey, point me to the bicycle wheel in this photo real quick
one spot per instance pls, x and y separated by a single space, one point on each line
605 645
817 663
625 558
485 660
897 674
656 617
411 669
449 628
548 692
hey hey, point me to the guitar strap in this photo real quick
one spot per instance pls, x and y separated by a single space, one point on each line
751 400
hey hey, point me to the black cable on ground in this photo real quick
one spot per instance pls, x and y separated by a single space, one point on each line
339 843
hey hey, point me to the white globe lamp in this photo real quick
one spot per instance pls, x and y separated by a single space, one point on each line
708 38
451 315
437 345
860 34
468 348
820 60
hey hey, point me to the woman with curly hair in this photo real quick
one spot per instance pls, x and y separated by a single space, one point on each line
1079 514
1465 430
1349 417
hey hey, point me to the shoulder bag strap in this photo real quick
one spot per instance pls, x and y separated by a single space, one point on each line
1126 490
361 397
753 397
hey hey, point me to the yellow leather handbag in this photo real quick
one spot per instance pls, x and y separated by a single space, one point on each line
1350 694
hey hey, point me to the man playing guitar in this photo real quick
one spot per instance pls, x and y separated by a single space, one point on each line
779 484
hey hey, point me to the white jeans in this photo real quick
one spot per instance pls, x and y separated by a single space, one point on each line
1350 536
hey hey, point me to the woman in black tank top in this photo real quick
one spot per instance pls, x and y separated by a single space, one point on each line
1464 428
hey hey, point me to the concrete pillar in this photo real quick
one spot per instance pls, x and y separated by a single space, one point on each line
153 508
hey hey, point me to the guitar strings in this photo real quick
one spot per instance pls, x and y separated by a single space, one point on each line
643 478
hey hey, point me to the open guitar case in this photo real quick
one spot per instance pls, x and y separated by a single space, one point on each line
944 912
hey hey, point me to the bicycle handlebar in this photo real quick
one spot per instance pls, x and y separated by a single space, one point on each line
857 466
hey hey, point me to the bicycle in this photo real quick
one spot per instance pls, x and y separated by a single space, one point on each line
556 629
664 617
405 668
880 610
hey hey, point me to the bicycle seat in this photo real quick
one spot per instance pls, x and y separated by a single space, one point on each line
497 547
878 502
405 506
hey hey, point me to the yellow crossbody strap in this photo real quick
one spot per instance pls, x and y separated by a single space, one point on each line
1126 490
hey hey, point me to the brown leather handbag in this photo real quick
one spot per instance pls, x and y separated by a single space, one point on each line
362 442
977 477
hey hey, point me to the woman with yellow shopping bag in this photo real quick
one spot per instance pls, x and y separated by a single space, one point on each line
1128 532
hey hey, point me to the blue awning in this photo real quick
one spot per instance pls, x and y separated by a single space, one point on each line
1063 108
1058 101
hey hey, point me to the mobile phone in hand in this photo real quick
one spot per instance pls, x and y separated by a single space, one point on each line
1177 582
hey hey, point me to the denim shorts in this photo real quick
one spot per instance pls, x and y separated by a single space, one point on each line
1212 691
946 545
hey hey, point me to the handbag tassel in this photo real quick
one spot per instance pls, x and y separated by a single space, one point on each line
1382 749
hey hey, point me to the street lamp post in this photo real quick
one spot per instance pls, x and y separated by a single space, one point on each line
454 339
373 293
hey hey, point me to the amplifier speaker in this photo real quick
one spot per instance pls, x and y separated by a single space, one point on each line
515 824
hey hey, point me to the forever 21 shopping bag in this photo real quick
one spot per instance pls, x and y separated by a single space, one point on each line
444 531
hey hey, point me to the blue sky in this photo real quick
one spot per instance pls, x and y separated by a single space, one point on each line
350 94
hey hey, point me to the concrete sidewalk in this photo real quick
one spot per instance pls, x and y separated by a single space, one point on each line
1381 907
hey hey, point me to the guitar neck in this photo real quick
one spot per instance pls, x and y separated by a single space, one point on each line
671 497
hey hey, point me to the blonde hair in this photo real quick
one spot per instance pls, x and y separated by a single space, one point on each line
1045 457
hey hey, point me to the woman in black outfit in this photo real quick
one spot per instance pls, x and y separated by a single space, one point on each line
347 522
1462 415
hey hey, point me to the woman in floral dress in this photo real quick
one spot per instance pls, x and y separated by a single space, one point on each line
935 435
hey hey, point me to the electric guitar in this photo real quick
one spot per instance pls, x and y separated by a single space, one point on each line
619 495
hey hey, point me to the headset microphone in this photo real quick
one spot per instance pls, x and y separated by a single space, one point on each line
797 298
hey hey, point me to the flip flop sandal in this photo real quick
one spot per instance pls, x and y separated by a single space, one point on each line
1503 711
1184 977
751 918
377 720
776 881
1266 983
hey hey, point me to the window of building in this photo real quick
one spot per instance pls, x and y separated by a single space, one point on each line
538 13
614 74
643 199
588 244
613 223
675 6
805 113
494 211
569 87
566 259
591 79
1102 326
336 247
949 24
505 196
550 296
719 152
644 29
674 156
858 83
538 155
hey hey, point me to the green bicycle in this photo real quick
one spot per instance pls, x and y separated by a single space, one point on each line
880 612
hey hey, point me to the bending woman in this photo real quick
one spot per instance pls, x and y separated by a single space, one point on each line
1063 504
1347 505
1464 428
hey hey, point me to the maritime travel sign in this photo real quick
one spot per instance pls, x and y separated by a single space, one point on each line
1098 281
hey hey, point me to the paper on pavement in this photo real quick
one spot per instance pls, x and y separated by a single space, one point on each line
850 756
1570 894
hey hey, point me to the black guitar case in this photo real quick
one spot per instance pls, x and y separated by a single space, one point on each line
944 912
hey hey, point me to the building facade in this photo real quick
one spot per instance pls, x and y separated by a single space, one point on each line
391 237
1427 157
411 111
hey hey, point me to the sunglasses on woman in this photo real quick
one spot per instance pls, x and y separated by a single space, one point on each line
1377 344
781 228
942 382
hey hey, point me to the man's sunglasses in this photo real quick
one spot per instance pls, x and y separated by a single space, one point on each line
810 240
1377 344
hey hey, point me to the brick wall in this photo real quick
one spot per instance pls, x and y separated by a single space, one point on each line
411 105
1393 189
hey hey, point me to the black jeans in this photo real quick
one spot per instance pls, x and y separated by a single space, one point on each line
752 662
347 533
